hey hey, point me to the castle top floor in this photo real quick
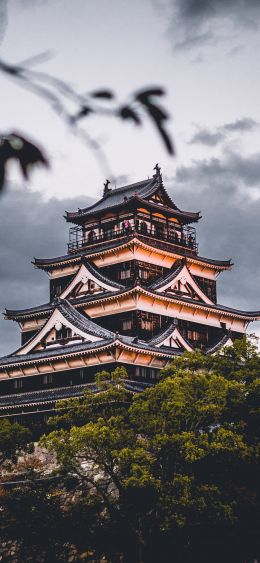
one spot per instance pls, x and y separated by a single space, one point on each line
144 208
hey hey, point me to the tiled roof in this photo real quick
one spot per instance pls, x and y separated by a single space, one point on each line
101 277
12 313
52 395
168 277
218 345
134 342
139 190
180 298
44 395
78 256
48 263
81 322
117 196
128 341
165 332
59 351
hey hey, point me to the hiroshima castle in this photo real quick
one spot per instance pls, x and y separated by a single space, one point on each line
131 290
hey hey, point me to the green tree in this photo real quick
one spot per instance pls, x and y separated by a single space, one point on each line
176 465
14 438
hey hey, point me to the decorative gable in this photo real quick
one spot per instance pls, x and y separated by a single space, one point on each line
88 281
176 340
172 338
182 283
65 327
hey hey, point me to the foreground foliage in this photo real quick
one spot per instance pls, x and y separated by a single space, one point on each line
171 474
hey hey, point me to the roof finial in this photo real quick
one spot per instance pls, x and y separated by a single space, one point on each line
157 174
106 188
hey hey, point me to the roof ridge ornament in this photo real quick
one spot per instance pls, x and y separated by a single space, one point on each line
158 174
107 190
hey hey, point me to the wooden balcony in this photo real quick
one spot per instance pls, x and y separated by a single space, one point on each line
187 240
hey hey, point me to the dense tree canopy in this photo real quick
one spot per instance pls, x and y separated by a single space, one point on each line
170 474
14 438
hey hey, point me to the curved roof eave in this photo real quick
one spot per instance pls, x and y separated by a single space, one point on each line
49 263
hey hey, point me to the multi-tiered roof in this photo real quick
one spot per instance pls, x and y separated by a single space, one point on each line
131 290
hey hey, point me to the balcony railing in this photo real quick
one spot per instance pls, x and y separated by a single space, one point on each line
185 240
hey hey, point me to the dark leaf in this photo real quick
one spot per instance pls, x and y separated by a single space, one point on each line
166 139
159 116
144 95
85 110
27 154
156 112
128 113
103 94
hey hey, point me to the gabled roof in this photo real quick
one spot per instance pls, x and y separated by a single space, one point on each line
120 341
168 277
82 322
168 297
179 272
89 271
224 342
171 332
142 190
67 315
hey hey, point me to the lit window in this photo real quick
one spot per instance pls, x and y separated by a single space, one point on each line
143 274
127 324
125 274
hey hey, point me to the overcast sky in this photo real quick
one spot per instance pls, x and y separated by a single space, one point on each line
205 55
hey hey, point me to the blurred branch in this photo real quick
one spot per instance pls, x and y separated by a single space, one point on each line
74 108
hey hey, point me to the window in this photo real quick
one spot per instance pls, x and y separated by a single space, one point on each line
58 289
81 373
127 324
92 285
18 384
143 274
63 333
125 274
47 379
140 371
146 324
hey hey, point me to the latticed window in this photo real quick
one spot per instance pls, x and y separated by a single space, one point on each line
127 324
125 274
143 274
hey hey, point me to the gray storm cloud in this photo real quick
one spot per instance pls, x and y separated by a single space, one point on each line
29 226
3 19
196 22
213 137
220 188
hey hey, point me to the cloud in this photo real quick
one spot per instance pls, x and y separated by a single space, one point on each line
200 22
222 189
244 124
207 137
29 227
213 137
3 19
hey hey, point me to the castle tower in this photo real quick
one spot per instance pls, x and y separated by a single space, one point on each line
132 290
